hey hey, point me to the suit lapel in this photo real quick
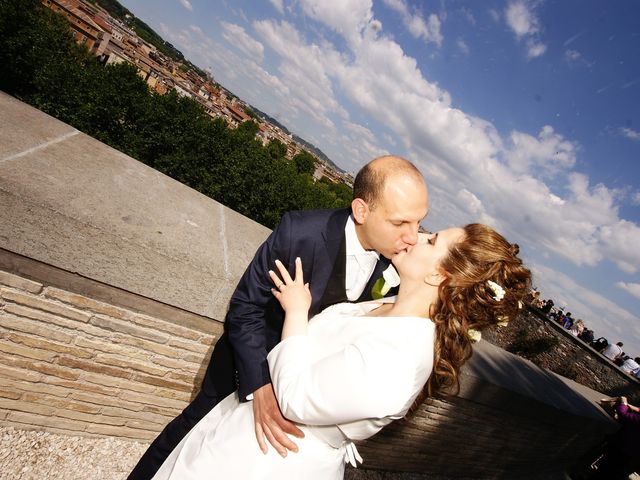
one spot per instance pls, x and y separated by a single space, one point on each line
329 262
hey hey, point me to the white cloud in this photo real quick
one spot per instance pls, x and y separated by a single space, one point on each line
572 55
621 240
278 5
347 17
462 45
239 38
630 133
522 20
186 4
635 198
428 30
548 154
632 288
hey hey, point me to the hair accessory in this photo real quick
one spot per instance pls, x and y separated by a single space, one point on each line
474 335
502 320
498 291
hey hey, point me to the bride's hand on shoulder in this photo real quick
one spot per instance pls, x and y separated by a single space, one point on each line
293 294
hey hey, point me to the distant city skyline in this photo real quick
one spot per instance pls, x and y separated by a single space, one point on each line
521 114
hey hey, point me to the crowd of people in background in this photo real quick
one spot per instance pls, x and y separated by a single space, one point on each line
578 329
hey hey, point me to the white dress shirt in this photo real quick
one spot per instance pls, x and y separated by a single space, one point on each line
360 263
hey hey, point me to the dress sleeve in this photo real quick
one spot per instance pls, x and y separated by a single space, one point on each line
371 378
626 415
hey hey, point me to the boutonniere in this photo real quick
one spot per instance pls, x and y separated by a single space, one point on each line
389 280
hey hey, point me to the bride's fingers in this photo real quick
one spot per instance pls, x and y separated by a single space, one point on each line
283 271
260 437
299 273
275 278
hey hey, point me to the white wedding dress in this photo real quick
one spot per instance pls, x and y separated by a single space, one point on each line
347 378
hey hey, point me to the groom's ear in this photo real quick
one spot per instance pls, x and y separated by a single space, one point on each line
360 210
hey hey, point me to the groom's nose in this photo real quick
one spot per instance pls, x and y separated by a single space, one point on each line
410 237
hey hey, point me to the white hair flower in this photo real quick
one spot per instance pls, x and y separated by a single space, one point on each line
502 320
498 291
474 335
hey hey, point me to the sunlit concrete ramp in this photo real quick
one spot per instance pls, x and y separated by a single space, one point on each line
114 282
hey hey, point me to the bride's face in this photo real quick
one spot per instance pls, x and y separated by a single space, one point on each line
422 261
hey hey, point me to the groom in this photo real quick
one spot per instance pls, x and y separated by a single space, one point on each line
343 253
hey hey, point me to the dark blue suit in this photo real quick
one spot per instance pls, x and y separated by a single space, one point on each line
253 324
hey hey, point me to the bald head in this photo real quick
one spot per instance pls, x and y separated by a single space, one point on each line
390 200
372 179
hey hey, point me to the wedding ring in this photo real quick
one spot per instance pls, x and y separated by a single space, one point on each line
280 286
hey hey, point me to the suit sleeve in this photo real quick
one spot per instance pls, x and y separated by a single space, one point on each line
371 378
249 307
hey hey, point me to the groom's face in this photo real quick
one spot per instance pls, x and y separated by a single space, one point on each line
391 226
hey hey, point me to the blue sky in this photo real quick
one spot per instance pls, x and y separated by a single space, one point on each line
521 114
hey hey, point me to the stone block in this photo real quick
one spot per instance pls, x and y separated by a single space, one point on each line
146 345
142 425
86 303
116 431
89 366
198 358
10 394
32 420
18 373
163 382
168 327
106 401
168 412
11 348
175 364
82 386
139 415
39 328
40 344
27 407
113 360
30 386
153 400
192 347
117 383
129 329
60 403
107 346
177 394
40 304
182 377
11 280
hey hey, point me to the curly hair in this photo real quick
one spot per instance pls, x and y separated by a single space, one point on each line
466 301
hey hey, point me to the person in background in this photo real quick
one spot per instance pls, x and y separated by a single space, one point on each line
622 454
612 352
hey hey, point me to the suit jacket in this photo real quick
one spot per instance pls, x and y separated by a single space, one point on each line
254 320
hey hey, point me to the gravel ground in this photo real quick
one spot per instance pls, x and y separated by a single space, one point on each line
36 455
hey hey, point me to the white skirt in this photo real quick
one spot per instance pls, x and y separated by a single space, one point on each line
223 445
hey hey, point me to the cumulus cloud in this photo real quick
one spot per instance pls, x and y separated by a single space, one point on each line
428 30
632 288
462 45
635 198
186 4
239 38
630 133
278 5
548 153
522 20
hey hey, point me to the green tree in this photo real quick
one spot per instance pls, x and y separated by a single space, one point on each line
304 162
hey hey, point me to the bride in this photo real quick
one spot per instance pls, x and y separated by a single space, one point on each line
354 368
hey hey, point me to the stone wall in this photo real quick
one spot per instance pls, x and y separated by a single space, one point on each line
566 355
72 364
